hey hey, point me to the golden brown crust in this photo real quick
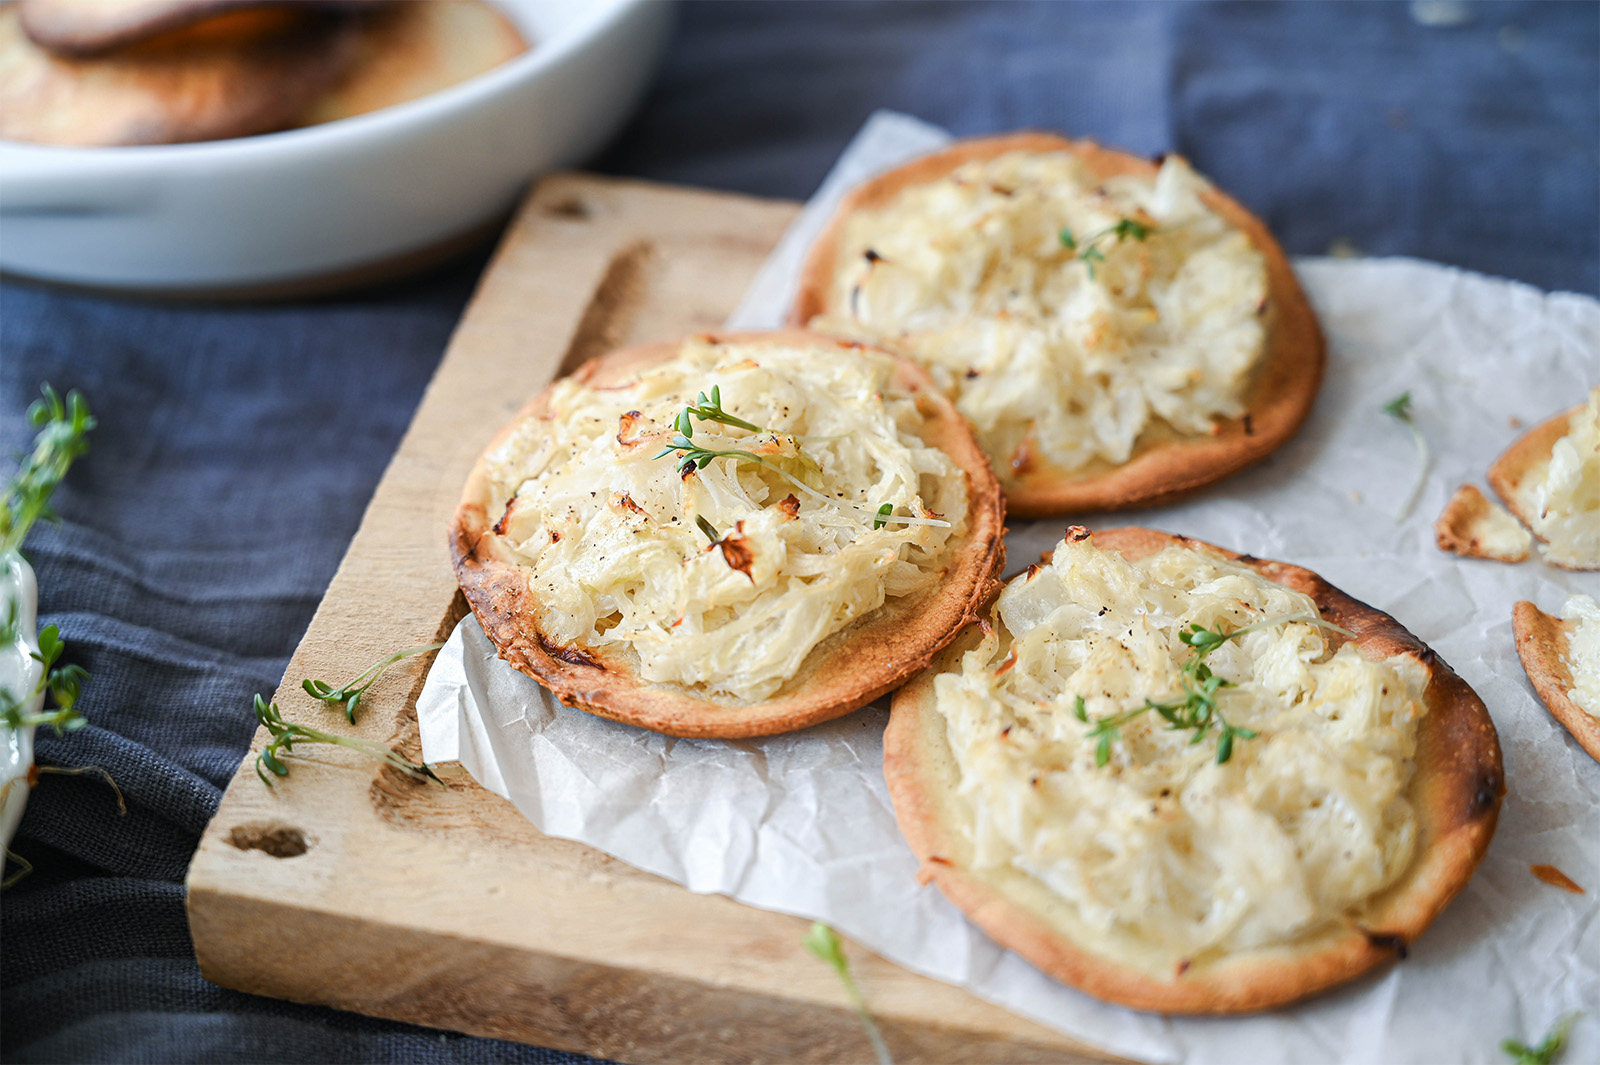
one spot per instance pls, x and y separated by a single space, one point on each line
1542 644
163 93
416 48
872 656
92 27
1522 464
1456 793
1164 465
1464 528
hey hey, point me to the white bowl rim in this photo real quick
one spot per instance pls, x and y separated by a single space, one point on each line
426 109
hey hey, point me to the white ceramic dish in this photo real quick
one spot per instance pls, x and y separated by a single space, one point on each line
339 199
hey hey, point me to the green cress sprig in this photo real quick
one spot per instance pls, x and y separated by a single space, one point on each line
1088 251
1399 408
285 734
1545 1053
63 436
823 941
64 683
348 697
1197 710
691 456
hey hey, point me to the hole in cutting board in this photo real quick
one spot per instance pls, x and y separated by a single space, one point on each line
278 840
571 207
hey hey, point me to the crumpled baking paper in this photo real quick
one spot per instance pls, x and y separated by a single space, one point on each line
802 823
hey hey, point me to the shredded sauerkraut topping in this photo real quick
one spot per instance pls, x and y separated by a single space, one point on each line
1583 652
611 535
1565 499
1065 354
1164 855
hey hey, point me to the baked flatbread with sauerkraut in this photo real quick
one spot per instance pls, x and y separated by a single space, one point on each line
1550 478
1191 781
1561 656
1118 331
732 536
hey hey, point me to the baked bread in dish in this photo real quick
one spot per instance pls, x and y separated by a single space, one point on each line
94 27
1161 773
163 93
411 49
1118 331
1550 478
730 536
1556 653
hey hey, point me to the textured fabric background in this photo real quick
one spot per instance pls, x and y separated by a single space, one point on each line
238 445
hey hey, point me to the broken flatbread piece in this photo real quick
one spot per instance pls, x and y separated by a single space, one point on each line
1474 526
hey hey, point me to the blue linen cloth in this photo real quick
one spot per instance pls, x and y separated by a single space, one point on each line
238 445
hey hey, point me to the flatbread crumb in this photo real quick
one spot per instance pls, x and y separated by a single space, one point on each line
1474 526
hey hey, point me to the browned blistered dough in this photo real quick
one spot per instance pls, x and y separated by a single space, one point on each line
1456 792
846 671
1164 464
1543 642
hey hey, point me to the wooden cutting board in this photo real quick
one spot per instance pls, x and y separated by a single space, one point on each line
350 886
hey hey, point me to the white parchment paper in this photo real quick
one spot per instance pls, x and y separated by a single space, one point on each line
802 823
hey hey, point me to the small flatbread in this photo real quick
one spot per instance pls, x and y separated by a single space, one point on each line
1456 793
91 27
1474 526
1543 646
1522 466
166 95
417 48
1164 464
849 669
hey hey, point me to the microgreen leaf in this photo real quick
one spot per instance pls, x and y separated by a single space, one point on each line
1130 229
349 696
1089 250
63 426
285 734
823 941
1197 710
1399 408
709 529
1545 1053
690 456
64 684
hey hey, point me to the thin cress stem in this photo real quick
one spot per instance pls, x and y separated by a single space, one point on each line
349 696
709 408
1422 470
823 941
1198 709
1399 408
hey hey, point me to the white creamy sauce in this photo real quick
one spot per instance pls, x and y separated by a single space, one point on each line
610 535
1564 502
1583 652
1162 855
1056 353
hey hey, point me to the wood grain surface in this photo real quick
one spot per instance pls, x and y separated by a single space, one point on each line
350 886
